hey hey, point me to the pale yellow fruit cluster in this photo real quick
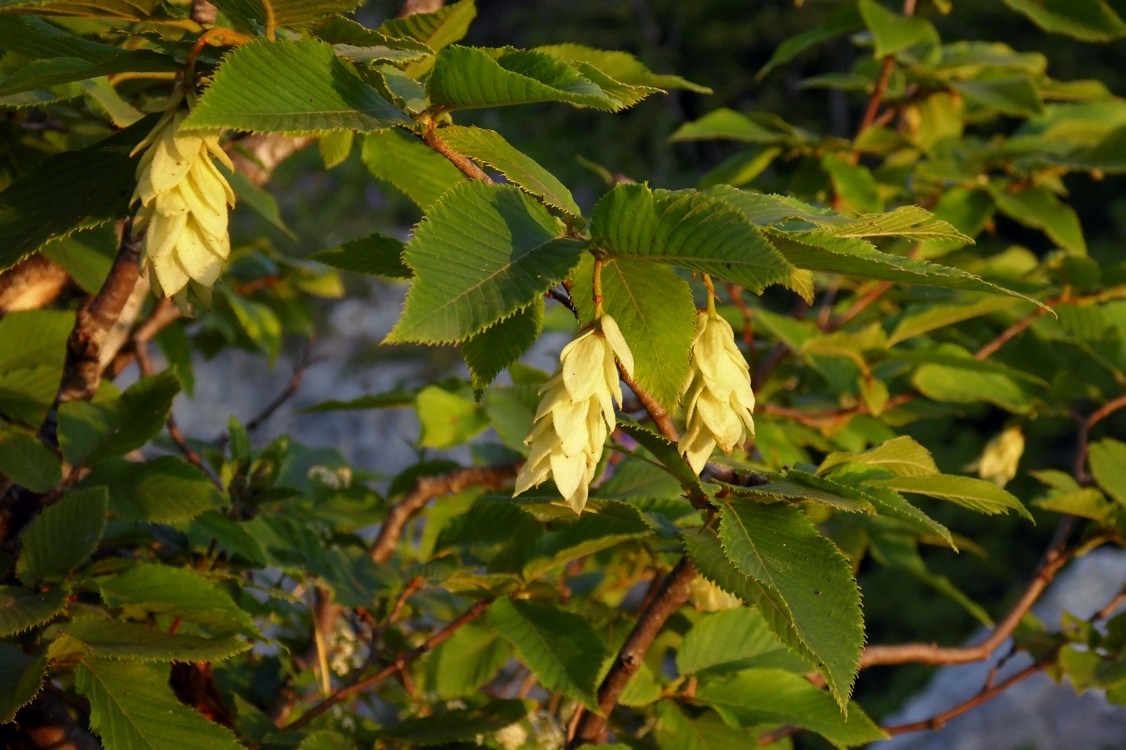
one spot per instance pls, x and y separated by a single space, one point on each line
718 399
184 199
576 413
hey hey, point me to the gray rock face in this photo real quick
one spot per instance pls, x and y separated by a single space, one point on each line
1036 714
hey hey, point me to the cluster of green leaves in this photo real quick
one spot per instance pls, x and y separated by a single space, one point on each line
870 319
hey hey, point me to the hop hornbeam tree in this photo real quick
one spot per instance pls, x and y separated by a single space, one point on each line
597 571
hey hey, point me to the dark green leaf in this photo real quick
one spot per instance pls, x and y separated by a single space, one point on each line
21 679
666 453
1039 208
29 463
838 22
287 12
63 536
180 592
894 32
494 349
376 255
290 87
166 489
419 171
22 609
561 648
439 29
90 432
489 147
688 229
134 641
471 657
67 192
602 525
133 708
621 66
482 253
1088 20
779 547
734 638
465 724
772 696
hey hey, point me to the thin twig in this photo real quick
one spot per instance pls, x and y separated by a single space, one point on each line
290 390
660 417
1083 440
468 168
425 490
673 593
400 664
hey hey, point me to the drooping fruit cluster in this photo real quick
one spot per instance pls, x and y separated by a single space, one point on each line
718 399
576 413
184 200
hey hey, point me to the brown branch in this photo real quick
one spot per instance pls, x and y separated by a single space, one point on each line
257 156
82 369
880 88
660 417
860 305
31 284
411 7
1054 559
290 390
425 490
401 663
673 593
431 138
1083 440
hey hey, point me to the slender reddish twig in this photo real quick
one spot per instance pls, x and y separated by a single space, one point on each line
400 664
431 138
425 490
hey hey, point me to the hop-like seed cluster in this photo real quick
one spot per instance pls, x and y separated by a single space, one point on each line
184 200
576 413
718 399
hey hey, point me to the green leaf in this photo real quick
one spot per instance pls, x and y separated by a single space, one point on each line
21 679
323 739
802 487
773 696
180 592
63 536
953 375
894 32
1016 96
135 641
852 183
901 552
1087 20
489 147
29 463
837 23
733 639
561 648
166 489
472 77
677 730
665 451
459 724
495 348
933 317
470 658
621 66
32 351
1107 459
603 524
261 324
975 494
655 311
87 256
290 87
902 456
287 12
133 708
62 57
90 432
818 250
259 200
419 171
855 479
375 255
67 192
706 551
905 222
1039 208
782 549
22 609
688 229
437 30
447 418
729 125
335 147
482 253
